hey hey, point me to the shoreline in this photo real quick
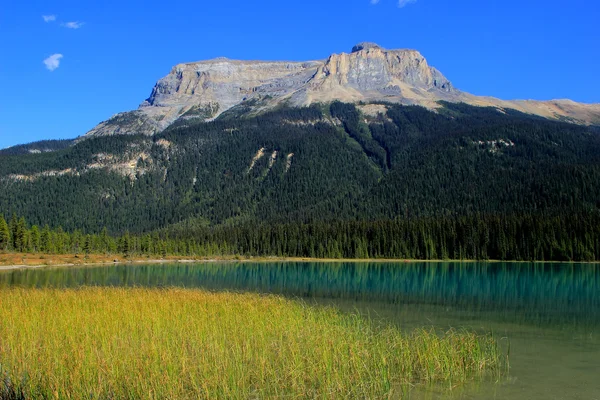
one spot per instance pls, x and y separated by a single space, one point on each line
37 261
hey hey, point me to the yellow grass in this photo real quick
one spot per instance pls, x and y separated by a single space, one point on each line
35 259
179 343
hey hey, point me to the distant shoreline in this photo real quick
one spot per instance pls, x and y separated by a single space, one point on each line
16 261
121 261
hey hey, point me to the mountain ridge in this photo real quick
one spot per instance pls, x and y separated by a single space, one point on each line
204 90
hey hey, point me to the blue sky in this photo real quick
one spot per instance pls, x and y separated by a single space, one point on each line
114 51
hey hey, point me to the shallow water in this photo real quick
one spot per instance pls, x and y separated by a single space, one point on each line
549 313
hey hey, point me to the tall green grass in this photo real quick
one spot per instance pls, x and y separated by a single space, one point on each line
178 343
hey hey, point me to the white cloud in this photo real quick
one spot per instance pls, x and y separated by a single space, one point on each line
53 61
49 18
73 24
402 3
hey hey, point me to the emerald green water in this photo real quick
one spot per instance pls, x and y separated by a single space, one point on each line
549 313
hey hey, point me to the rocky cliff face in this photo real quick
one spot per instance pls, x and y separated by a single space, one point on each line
371 73
215 86
204 90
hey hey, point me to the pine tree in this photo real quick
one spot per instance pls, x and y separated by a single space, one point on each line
163 249
87 245
20 241
4 234
45 246
77 241
12 227
126 244
59 240
104 240
35 238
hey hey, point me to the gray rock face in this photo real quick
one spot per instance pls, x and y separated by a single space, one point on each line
369 73
372 73
223 82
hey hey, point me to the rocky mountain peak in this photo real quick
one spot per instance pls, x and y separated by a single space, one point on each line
370 73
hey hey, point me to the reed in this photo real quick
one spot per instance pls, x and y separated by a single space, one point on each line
182 343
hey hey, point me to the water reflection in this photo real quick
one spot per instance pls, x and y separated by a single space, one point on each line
537 293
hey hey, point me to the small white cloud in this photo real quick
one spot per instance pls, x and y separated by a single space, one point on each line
73 24
374 1
49 18
53 61
402 3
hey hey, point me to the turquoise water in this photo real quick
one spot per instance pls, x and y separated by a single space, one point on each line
549 313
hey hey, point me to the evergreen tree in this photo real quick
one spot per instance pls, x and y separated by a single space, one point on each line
76 241
35 238
4 234
59 240
87 245
20 242
105 240
12 227
45 237
125 244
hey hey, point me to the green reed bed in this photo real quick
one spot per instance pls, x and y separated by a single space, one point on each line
179 343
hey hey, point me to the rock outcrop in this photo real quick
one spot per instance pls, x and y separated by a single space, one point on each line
215 86
371 73
203 90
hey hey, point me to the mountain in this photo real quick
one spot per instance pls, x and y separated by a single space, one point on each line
369 73
227 144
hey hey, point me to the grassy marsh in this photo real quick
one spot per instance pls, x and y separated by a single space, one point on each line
182 343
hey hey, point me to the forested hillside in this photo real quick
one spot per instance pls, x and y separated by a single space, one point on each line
322 164
43 146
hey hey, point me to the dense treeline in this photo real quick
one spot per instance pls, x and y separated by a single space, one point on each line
566 237
572 237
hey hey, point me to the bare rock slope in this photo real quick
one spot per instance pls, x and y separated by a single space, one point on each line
369 73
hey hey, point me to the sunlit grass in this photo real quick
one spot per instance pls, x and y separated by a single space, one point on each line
179 343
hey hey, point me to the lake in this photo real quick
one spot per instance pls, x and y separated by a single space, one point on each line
546 315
